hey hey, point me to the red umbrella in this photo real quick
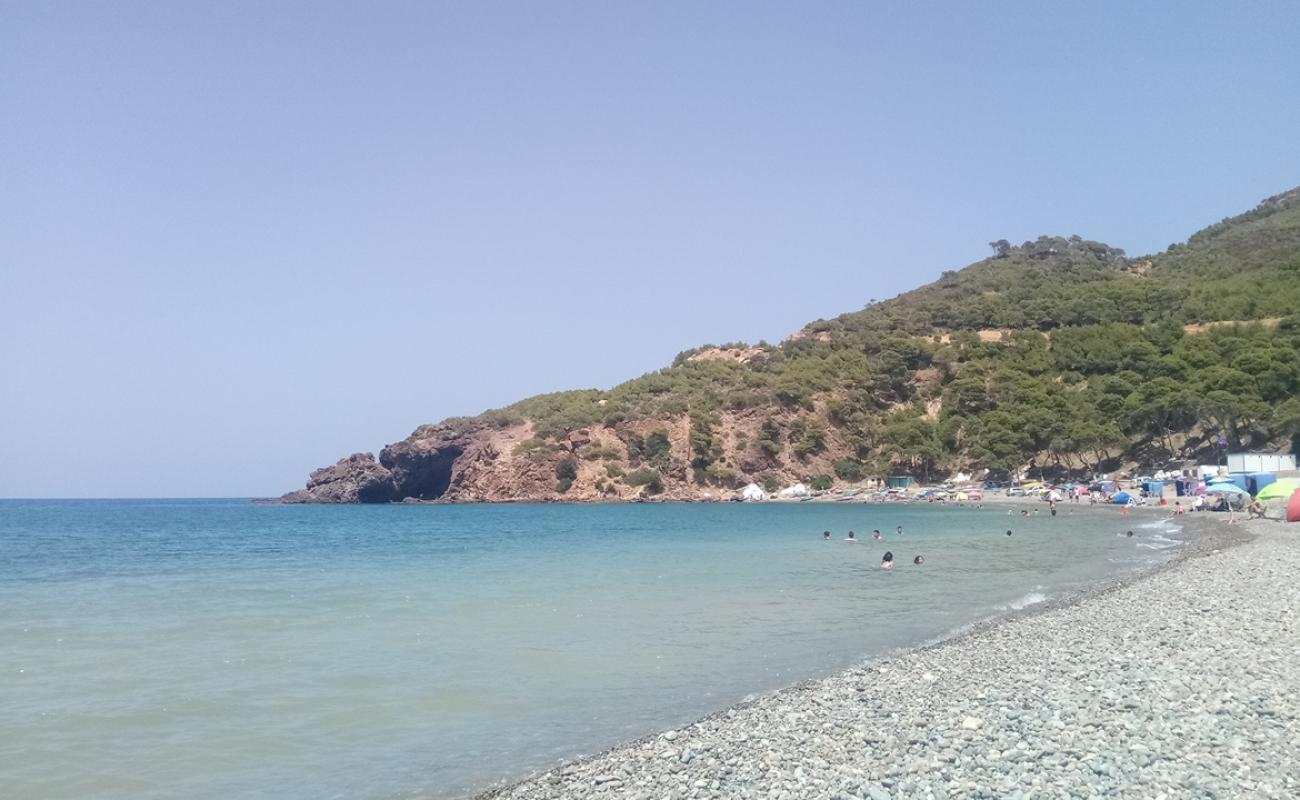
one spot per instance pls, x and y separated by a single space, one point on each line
1293 507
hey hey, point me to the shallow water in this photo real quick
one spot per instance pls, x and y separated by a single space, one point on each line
215 648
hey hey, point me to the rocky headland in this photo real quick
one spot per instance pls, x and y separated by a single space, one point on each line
1061 355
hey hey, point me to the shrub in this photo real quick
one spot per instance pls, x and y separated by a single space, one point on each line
564 485
812 441
769 439
641 477
849 470
535 448
771 484
613 470
501 418
567 469
822 482
721 473
602 453
658 450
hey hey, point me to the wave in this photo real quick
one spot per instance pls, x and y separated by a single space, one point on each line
1026 600
1160 525
1159 542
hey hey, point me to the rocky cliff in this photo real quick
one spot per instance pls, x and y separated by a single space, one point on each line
456 462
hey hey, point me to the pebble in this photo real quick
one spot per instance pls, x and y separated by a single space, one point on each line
1181 684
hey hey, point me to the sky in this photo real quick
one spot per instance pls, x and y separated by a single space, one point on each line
240 240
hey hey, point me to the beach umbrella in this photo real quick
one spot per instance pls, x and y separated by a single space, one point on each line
1279 490
1293 508
1121 498
1225 488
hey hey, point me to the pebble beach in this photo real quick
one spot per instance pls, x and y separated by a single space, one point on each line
1184 683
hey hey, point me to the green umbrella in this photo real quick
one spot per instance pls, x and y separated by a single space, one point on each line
1279 489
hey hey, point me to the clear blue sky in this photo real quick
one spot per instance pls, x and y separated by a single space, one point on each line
241 240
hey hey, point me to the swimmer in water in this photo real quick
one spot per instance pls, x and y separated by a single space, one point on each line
1129 534
900 530
853 537
888 561
1008 533
919 560
826 536
876 535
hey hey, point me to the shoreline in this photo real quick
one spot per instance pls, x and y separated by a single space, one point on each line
622 771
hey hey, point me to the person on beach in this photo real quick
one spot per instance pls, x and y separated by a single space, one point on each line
853 537
919 560
826 536
888 561
876 535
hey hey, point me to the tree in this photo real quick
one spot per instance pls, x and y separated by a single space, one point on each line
914 445
849 470
769 439
659 450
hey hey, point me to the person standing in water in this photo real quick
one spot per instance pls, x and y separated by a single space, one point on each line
919 560
888 561
876 535
853 537
826 536
899 530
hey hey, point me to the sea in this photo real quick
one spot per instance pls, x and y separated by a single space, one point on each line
220 648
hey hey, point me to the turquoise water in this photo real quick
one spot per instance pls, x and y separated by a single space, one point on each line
216 648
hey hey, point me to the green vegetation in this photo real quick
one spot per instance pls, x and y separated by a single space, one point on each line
821 483
649 478
566 469
1061 353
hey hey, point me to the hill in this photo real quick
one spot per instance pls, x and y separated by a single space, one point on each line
1062 356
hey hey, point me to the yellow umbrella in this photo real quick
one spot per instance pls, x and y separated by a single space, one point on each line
1279 489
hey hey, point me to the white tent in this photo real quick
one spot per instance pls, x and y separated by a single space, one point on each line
753 492
797 490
